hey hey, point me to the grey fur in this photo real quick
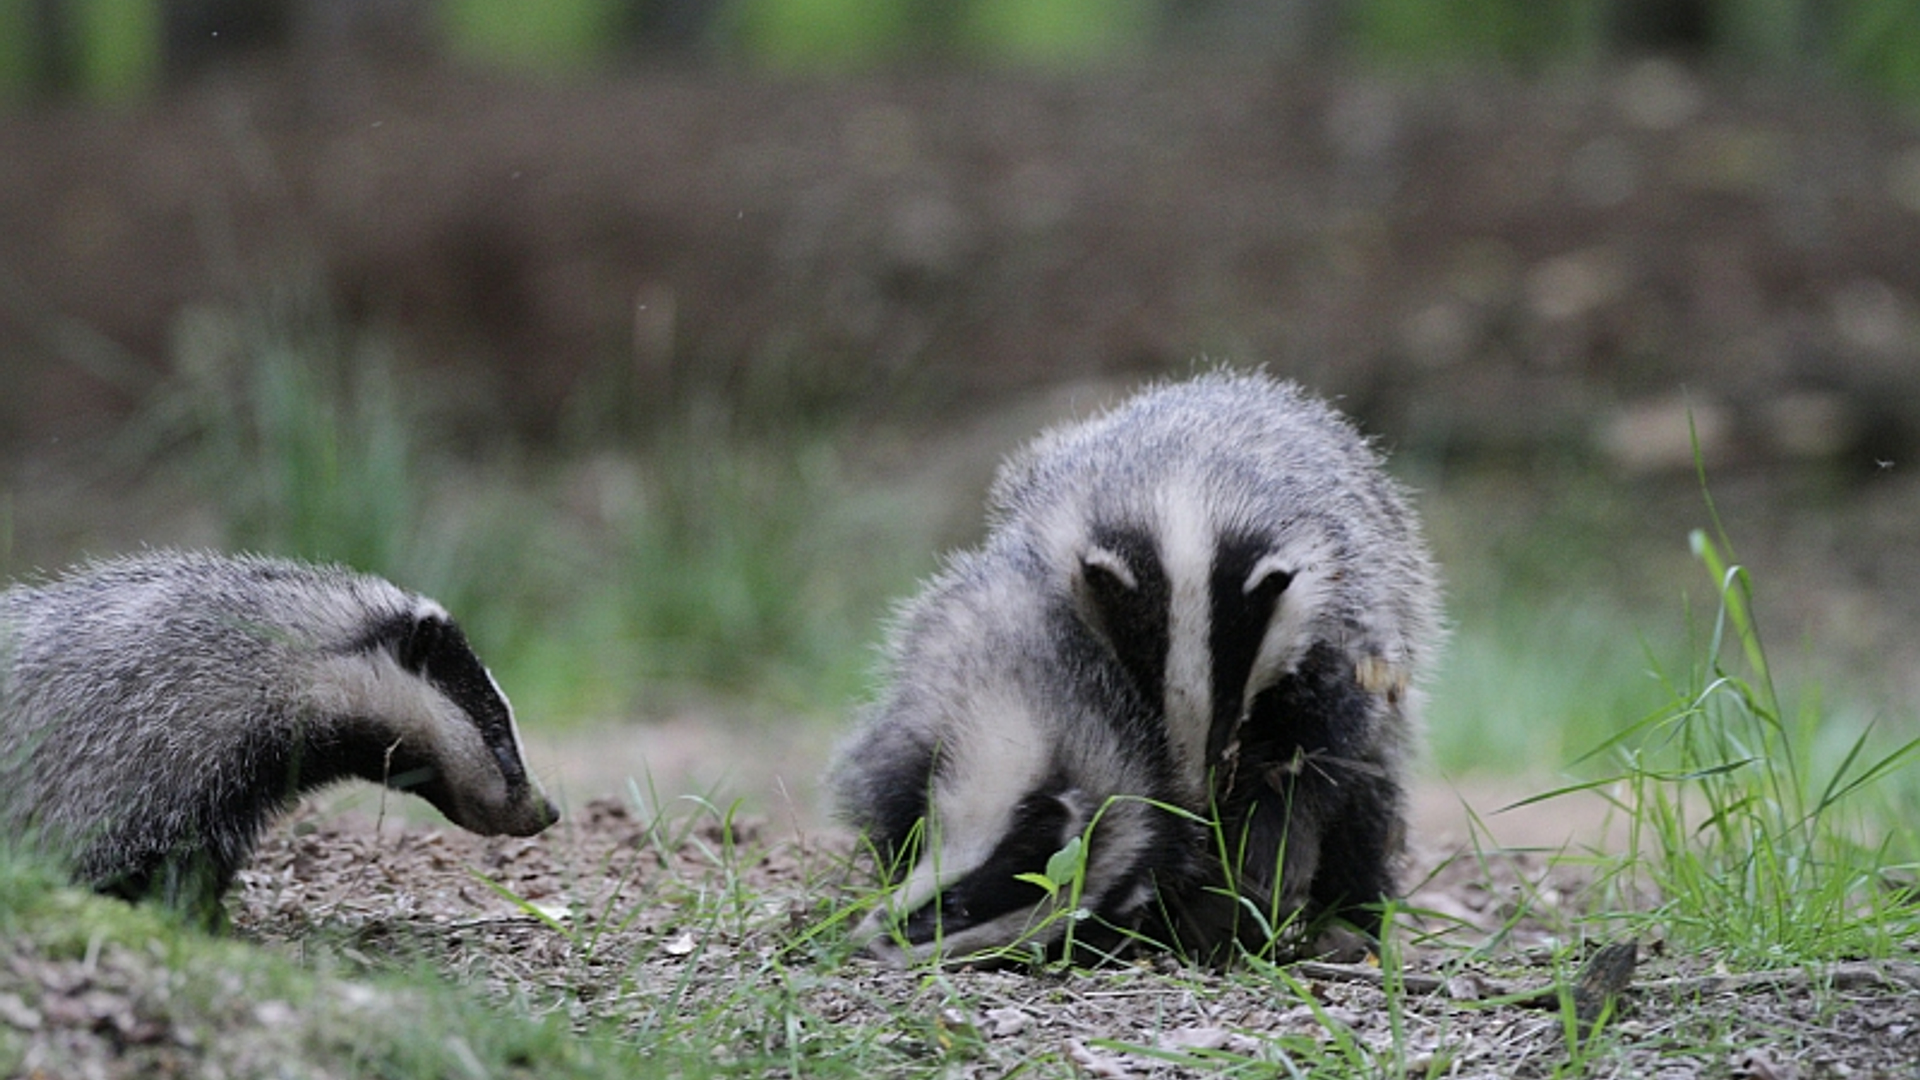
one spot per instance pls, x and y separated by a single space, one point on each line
157 710
1211 599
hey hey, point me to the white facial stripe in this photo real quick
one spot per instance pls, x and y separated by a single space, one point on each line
482 768
995 757
373 685
997 754
1122 836
513 728
1187 549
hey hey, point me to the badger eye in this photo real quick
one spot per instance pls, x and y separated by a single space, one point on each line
509 762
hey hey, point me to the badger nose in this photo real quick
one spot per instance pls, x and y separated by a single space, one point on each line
536 813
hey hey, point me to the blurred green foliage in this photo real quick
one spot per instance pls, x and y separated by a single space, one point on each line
1525 32
694 554
117 47
1056 31
103 50
1878 41
553 34
16 46
113 48
819 33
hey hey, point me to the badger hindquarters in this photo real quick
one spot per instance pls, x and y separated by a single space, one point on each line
1197 619
157 710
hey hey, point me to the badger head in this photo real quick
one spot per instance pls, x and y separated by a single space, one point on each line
1200 609
423 715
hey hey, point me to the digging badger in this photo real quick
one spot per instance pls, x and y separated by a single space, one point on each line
1210 599
156 711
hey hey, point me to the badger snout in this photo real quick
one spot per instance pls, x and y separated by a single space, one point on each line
524 812
536 813
484 791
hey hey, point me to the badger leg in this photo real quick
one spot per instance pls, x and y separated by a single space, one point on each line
1308 847
1362 846
190 880
1315 811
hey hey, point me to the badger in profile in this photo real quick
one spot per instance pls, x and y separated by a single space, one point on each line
157 710
1190 639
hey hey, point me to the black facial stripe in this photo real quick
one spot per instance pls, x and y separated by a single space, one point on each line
1238 626
1040 826
1133 621
434 647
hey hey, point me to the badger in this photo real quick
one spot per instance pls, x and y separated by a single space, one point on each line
1190 643
158 710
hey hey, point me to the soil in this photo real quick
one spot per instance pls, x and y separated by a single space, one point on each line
612 932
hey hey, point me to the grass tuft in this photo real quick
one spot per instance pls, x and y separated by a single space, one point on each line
1748 833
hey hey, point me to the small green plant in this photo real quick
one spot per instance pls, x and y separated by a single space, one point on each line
1746 829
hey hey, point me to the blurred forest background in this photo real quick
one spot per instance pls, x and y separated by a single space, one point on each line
668 341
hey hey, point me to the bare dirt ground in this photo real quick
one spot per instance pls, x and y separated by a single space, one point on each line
614 931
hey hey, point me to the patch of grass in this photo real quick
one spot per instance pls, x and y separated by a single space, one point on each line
1554 583
1751 830
758 563
699 962
568 35
88 980
298 431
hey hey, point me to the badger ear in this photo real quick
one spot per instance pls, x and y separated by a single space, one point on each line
1125 612
1104 582
1106 592
412 638
1269 577
1103 568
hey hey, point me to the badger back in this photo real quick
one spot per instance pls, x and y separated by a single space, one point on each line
1211 533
